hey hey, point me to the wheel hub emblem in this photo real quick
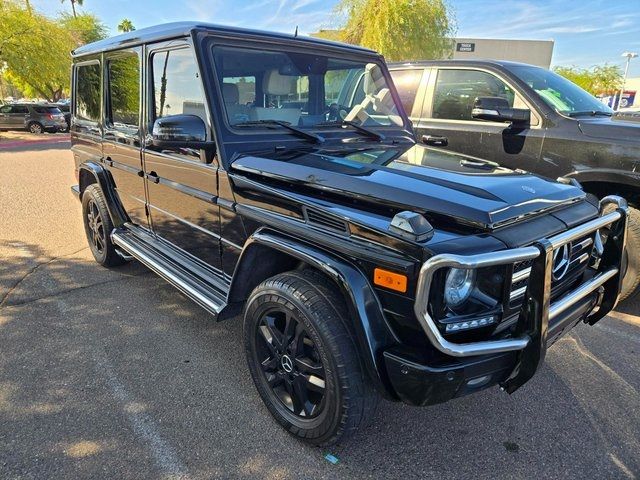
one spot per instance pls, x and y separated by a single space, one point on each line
560 262
287 364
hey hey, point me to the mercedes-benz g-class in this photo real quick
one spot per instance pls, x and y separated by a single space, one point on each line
252 172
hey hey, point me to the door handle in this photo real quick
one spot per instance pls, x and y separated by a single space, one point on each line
435 141
153 176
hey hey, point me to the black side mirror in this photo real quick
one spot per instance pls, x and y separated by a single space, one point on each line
180 131
497 109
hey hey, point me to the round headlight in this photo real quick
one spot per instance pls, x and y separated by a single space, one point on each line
458 286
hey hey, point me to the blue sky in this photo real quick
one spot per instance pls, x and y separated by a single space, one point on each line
586 32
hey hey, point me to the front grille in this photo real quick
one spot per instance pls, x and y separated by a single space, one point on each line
578 258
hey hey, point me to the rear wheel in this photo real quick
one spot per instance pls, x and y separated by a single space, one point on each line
35 127
303 360
98 227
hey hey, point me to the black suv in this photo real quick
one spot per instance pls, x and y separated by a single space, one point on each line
277 177
527 117
37 118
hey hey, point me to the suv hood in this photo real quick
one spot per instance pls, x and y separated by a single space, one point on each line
616 127
434 182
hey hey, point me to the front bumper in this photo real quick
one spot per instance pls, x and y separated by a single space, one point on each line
511 361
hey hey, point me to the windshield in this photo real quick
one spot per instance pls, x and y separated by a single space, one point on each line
302 89
559 93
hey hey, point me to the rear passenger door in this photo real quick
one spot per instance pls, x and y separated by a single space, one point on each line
411 84
449 100
122 133
181 183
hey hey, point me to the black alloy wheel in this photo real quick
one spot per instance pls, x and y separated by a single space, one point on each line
290 363
96 231
303 357
98 227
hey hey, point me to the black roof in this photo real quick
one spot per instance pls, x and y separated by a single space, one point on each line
472 62
180 29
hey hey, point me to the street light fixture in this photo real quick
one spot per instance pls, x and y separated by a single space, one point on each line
629 56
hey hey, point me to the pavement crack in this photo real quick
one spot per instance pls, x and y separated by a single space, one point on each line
81 287
6 296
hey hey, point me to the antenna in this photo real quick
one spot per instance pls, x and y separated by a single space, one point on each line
295 34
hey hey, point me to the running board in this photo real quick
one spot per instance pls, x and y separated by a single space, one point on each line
208 291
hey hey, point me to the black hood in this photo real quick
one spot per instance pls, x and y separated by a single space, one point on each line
617 127
420 179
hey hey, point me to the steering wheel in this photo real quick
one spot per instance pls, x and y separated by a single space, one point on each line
333 112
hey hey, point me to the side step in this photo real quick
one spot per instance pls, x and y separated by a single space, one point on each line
202 286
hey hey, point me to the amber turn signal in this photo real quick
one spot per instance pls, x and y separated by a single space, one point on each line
390 280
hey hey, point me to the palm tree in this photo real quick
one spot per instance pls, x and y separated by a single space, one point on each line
126 25
73 5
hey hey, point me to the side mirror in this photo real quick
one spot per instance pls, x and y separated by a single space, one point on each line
180 131
497 109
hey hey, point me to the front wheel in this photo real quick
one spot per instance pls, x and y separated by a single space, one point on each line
303 360
631 281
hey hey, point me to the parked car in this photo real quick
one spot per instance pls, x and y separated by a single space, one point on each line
277 177
65 108
32 117
527 117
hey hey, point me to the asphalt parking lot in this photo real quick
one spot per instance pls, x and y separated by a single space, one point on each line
114 374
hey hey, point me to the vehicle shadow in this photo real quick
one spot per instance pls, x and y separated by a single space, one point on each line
113 373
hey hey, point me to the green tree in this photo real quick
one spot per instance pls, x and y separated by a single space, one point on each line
399 29
599 79
126 25
85 28
36 49
73 5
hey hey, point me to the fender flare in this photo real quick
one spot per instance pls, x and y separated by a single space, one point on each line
606 175
372 332
105 181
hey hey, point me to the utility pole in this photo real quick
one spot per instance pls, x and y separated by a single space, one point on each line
629 56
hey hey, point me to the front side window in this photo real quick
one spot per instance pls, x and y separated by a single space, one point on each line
559 93
123 99
301 89
456 92
407 83
177 88
88 92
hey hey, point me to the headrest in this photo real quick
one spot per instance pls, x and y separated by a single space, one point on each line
374 81
230 93
276 84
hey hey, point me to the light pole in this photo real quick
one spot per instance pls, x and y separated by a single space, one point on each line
629 56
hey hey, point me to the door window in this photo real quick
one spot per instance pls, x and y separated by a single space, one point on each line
5 109
457 90
88 92
123 99
407 83
19 109
176 85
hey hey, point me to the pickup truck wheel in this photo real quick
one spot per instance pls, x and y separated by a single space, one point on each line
98 227
303 360
630 263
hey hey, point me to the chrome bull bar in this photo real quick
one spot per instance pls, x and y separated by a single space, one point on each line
536 310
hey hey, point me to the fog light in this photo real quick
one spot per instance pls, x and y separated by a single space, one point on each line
469 324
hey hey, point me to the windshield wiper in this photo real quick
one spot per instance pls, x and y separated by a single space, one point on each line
592 113
348 123
298 131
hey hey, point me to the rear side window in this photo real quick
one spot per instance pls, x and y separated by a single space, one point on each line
457 90
88 92
407 83
123 101
52 110
19 109
176 85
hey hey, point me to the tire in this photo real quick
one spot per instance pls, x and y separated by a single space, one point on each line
303 360
98 227
631 280
35 127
